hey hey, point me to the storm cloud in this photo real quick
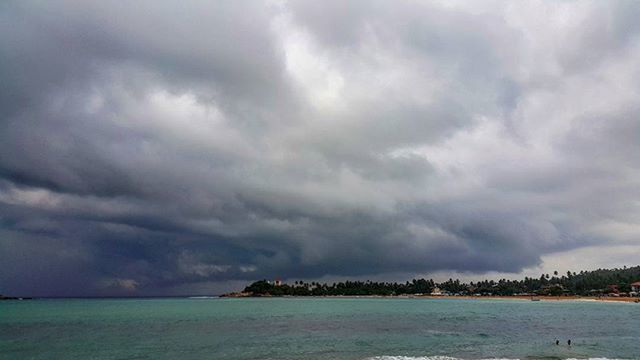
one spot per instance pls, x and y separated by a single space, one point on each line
189 147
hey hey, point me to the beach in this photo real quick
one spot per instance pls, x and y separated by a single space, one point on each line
543 298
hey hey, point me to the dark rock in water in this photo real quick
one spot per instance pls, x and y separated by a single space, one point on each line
237 294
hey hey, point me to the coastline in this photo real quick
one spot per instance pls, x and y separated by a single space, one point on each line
461 297
541 298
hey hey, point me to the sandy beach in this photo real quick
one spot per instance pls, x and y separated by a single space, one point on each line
541 298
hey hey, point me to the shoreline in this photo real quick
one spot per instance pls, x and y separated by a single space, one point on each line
461 297
543 298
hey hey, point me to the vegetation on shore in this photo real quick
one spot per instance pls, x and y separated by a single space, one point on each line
586 283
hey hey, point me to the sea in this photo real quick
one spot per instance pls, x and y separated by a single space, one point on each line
317 328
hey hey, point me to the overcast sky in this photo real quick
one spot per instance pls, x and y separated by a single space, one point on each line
191 147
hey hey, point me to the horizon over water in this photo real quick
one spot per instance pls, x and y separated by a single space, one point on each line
316 328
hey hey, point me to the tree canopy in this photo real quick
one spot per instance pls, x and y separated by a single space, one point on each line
583 283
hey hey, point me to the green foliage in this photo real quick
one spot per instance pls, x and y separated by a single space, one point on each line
349 288
584 283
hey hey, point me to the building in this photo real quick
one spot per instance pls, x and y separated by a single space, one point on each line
278 282
436 291
635 287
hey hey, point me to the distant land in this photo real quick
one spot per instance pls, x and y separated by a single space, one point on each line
607 284
3 297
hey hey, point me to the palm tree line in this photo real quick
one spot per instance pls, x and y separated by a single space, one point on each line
594 282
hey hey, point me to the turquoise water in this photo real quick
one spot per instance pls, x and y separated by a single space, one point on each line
315 328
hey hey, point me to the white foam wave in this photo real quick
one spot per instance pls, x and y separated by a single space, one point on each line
440 357
203 297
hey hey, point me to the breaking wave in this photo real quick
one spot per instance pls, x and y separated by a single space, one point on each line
202 297
454 358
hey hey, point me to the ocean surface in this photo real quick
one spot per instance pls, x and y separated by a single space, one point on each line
317 328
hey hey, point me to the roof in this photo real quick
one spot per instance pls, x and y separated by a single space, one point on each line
637 283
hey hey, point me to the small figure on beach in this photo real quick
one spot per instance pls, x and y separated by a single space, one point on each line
569 342
557 342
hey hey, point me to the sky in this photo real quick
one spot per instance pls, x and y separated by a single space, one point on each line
189 147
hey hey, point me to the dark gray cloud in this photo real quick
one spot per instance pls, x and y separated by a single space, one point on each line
186 147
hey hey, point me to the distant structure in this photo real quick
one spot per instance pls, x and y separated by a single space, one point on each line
278 282
635 287
436 291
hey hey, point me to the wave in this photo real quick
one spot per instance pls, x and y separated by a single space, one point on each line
441 357
202 297
425 358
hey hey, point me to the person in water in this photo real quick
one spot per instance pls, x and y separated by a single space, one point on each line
569 342
557 342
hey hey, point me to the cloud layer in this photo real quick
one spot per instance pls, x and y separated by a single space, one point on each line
182 147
